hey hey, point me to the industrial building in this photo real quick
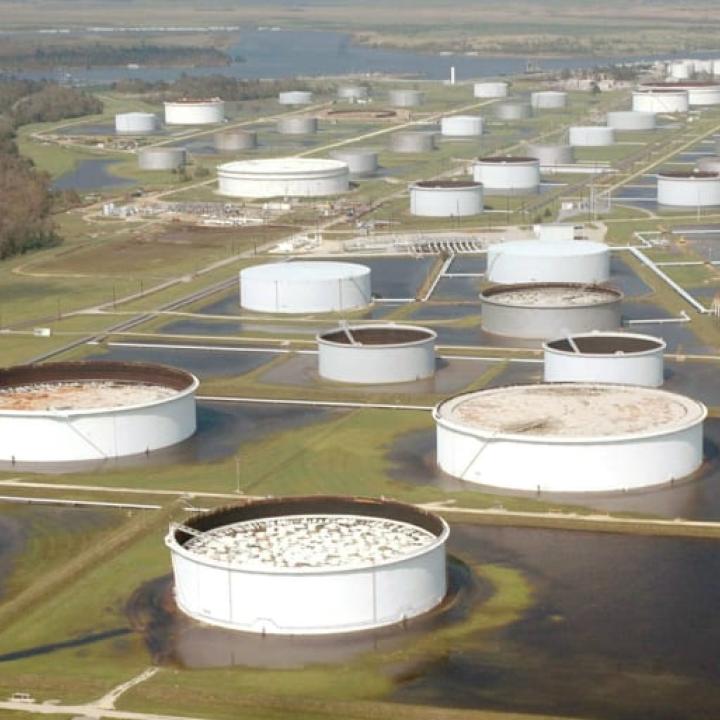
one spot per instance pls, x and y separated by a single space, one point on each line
623 358
361 162
461 126
93 410
505 175
490 90
309 565
591 136
210 111
283 177
446 198
305 287
692 189
406 98
551 156
161 158
235 140
510 111
631 120
376 354
412 141
545 311
531 261
297 125
570 437
548 100
660 100
136 123
295 97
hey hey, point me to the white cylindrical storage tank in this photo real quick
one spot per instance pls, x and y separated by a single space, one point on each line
305 287
716 67
295 97
461 126
361 162
681 69
309 565
703 67
504 175
353 93
700 94
548 99
377 354
631 120
576 437
194 112
711 164
406 98
510 111
446 198
660 101
544 311
161 158
559 261
490 89
623 358
591 136
297 125
235 140
136 123
412 141
93 410
283 177
551 155
688 189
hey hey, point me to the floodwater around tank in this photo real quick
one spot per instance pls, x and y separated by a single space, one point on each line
91 175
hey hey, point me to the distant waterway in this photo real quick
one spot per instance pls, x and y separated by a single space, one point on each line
290 53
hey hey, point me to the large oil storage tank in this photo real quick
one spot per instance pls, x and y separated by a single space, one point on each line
283 177
496 89
505 175
551 155
701 93
461 126
362 162
660 100
710 163
194 112
309 565
297 125
136 123
548 99
305 287
412 141
235 140
688 189
377 354
93 410
353 93
559 261
544 311
624 358
516 110
406 98
161 158
591 136
295 97
570 437
681 69
446 198
631 120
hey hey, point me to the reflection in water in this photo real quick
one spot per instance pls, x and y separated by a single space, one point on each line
173 638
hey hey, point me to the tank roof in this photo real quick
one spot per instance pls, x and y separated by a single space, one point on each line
378 335
284 164
551 248
690 174
446 184
572 410
303 270
504 159
603 344
194 101
550 295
